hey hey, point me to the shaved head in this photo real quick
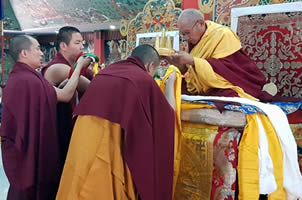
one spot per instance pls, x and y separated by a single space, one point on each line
191 25
149 56
146 54
19 43
65 35
26 49
190 15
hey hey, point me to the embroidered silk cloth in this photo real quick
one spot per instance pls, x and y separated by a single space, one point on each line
208 164
273 41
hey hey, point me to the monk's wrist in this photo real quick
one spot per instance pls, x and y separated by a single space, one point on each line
191 62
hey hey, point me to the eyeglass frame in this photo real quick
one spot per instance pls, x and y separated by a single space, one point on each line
188 33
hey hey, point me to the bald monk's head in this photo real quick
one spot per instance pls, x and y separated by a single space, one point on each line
191 25
149 56
26 49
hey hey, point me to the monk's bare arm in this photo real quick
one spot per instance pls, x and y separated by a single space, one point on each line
67 92
169 90
83 84
57 73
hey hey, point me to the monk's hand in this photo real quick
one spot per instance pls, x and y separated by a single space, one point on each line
180 59
89 71
84 62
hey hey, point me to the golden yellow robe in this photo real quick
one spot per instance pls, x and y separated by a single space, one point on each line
248 162
217 42
182 136
177 93
94 167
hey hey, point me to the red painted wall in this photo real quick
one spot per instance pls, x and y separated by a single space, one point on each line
194 4
190 4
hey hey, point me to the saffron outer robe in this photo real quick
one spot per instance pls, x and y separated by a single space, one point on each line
222 69
125 95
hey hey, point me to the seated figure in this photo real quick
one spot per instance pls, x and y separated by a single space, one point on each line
216 66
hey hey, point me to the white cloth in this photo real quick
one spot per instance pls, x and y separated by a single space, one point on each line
267 181
292 179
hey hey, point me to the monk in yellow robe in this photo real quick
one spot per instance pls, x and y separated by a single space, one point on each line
216 64
122 144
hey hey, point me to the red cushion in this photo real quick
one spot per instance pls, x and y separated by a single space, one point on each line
295 117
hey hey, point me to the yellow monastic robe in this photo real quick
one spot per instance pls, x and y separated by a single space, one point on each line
182 138
94 167
248 162
217 42
177 93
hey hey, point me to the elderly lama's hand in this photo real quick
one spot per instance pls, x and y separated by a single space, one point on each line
180 59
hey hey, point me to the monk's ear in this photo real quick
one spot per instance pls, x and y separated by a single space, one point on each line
147 66
63 45
23 53
201 22
151 65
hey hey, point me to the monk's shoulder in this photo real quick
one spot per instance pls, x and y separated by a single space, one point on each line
224 30
30 82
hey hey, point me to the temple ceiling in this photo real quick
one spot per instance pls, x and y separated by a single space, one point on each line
91 14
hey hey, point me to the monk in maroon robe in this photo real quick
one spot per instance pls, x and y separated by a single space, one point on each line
64 111
29 140
69 45
122 101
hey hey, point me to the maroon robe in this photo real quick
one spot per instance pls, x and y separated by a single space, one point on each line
29 140
64 114
58 59
243 72
126 94
239 70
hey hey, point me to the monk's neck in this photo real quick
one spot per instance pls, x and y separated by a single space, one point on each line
70 60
